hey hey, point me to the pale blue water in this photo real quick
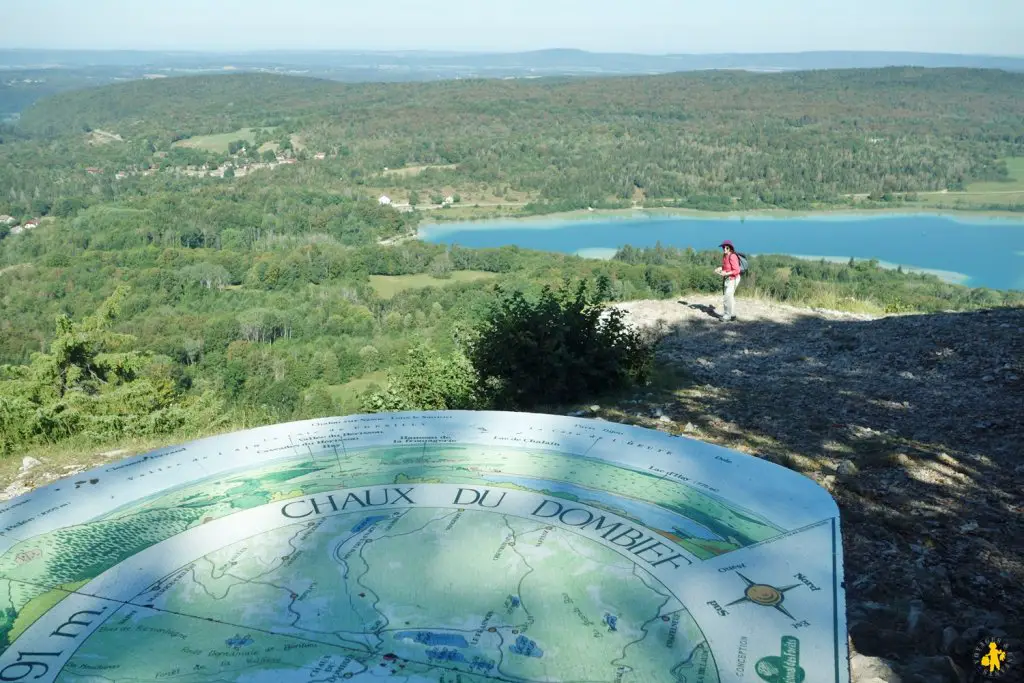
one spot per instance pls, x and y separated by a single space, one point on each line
979 252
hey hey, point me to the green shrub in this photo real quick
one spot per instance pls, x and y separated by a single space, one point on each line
560 348
427 381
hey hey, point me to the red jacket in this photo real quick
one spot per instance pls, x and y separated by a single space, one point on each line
731 265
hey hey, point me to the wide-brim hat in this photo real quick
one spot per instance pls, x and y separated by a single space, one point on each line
727 243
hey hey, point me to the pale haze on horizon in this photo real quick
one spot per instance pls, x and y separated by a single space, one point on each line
992 27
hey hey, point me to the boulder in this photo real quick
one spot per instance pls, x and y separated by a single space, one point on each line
846 469
871 640
28 463
941 669
864 668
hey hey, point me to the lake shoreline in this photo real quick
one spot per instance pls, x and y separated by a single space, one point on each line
554 220
954 247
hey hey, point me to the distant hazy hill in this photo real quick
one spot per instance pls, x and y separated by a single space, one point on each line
27 76
447 64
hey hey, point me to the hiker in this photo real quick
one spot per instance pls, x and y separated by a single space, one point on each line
730 272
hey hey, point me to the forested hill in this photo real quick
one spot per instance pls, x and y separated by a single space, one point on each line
906 100
230 226
192 105
703 140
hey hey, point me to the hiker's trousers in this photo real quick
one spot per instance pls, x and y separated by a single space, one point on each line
730 285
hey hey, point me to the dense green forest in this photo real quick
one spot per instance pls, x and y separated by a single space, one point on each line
187 303
709 140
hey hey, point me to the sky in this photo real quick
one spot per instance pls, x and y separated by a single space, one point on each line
992 27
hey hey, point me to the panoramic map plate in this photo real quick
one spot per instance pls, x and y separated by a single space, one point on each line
429 546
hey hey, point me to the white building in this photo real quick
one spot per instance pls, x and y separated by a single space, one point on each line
384 200
7 220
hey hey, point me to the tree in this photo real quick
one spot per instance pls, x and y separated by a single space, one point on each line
208 275
441 266
90 384
85 355
427 381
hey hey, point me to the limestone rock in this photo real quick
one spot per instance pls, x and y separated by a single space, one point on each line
864 668
28 463
846 469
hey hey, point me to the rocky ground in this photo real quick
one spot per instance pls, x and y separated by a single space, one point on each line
914 423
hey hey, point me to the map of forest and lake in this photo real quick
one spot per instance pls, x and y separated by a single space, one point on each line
444 546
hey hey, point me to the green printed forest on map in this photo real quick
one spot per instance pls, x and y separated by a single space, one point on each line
361 591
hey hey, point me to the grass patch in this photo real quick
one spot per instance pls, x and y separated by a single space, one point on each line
968 199
217 143
469 212
347 395
357 385
387 286
984 193
1015 167
824 296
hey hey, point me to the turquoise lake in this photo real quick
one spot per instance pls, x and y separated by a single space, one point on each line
976 251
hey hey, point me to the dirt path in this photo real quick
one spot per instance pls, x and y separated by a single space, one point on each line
913 423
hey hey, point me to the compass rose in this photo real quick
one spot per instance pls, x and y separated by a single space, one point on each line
765 595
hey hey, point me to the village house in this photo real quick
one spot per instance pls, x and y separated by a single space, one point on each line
384 200
34 223
320 155
7 220
93 171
